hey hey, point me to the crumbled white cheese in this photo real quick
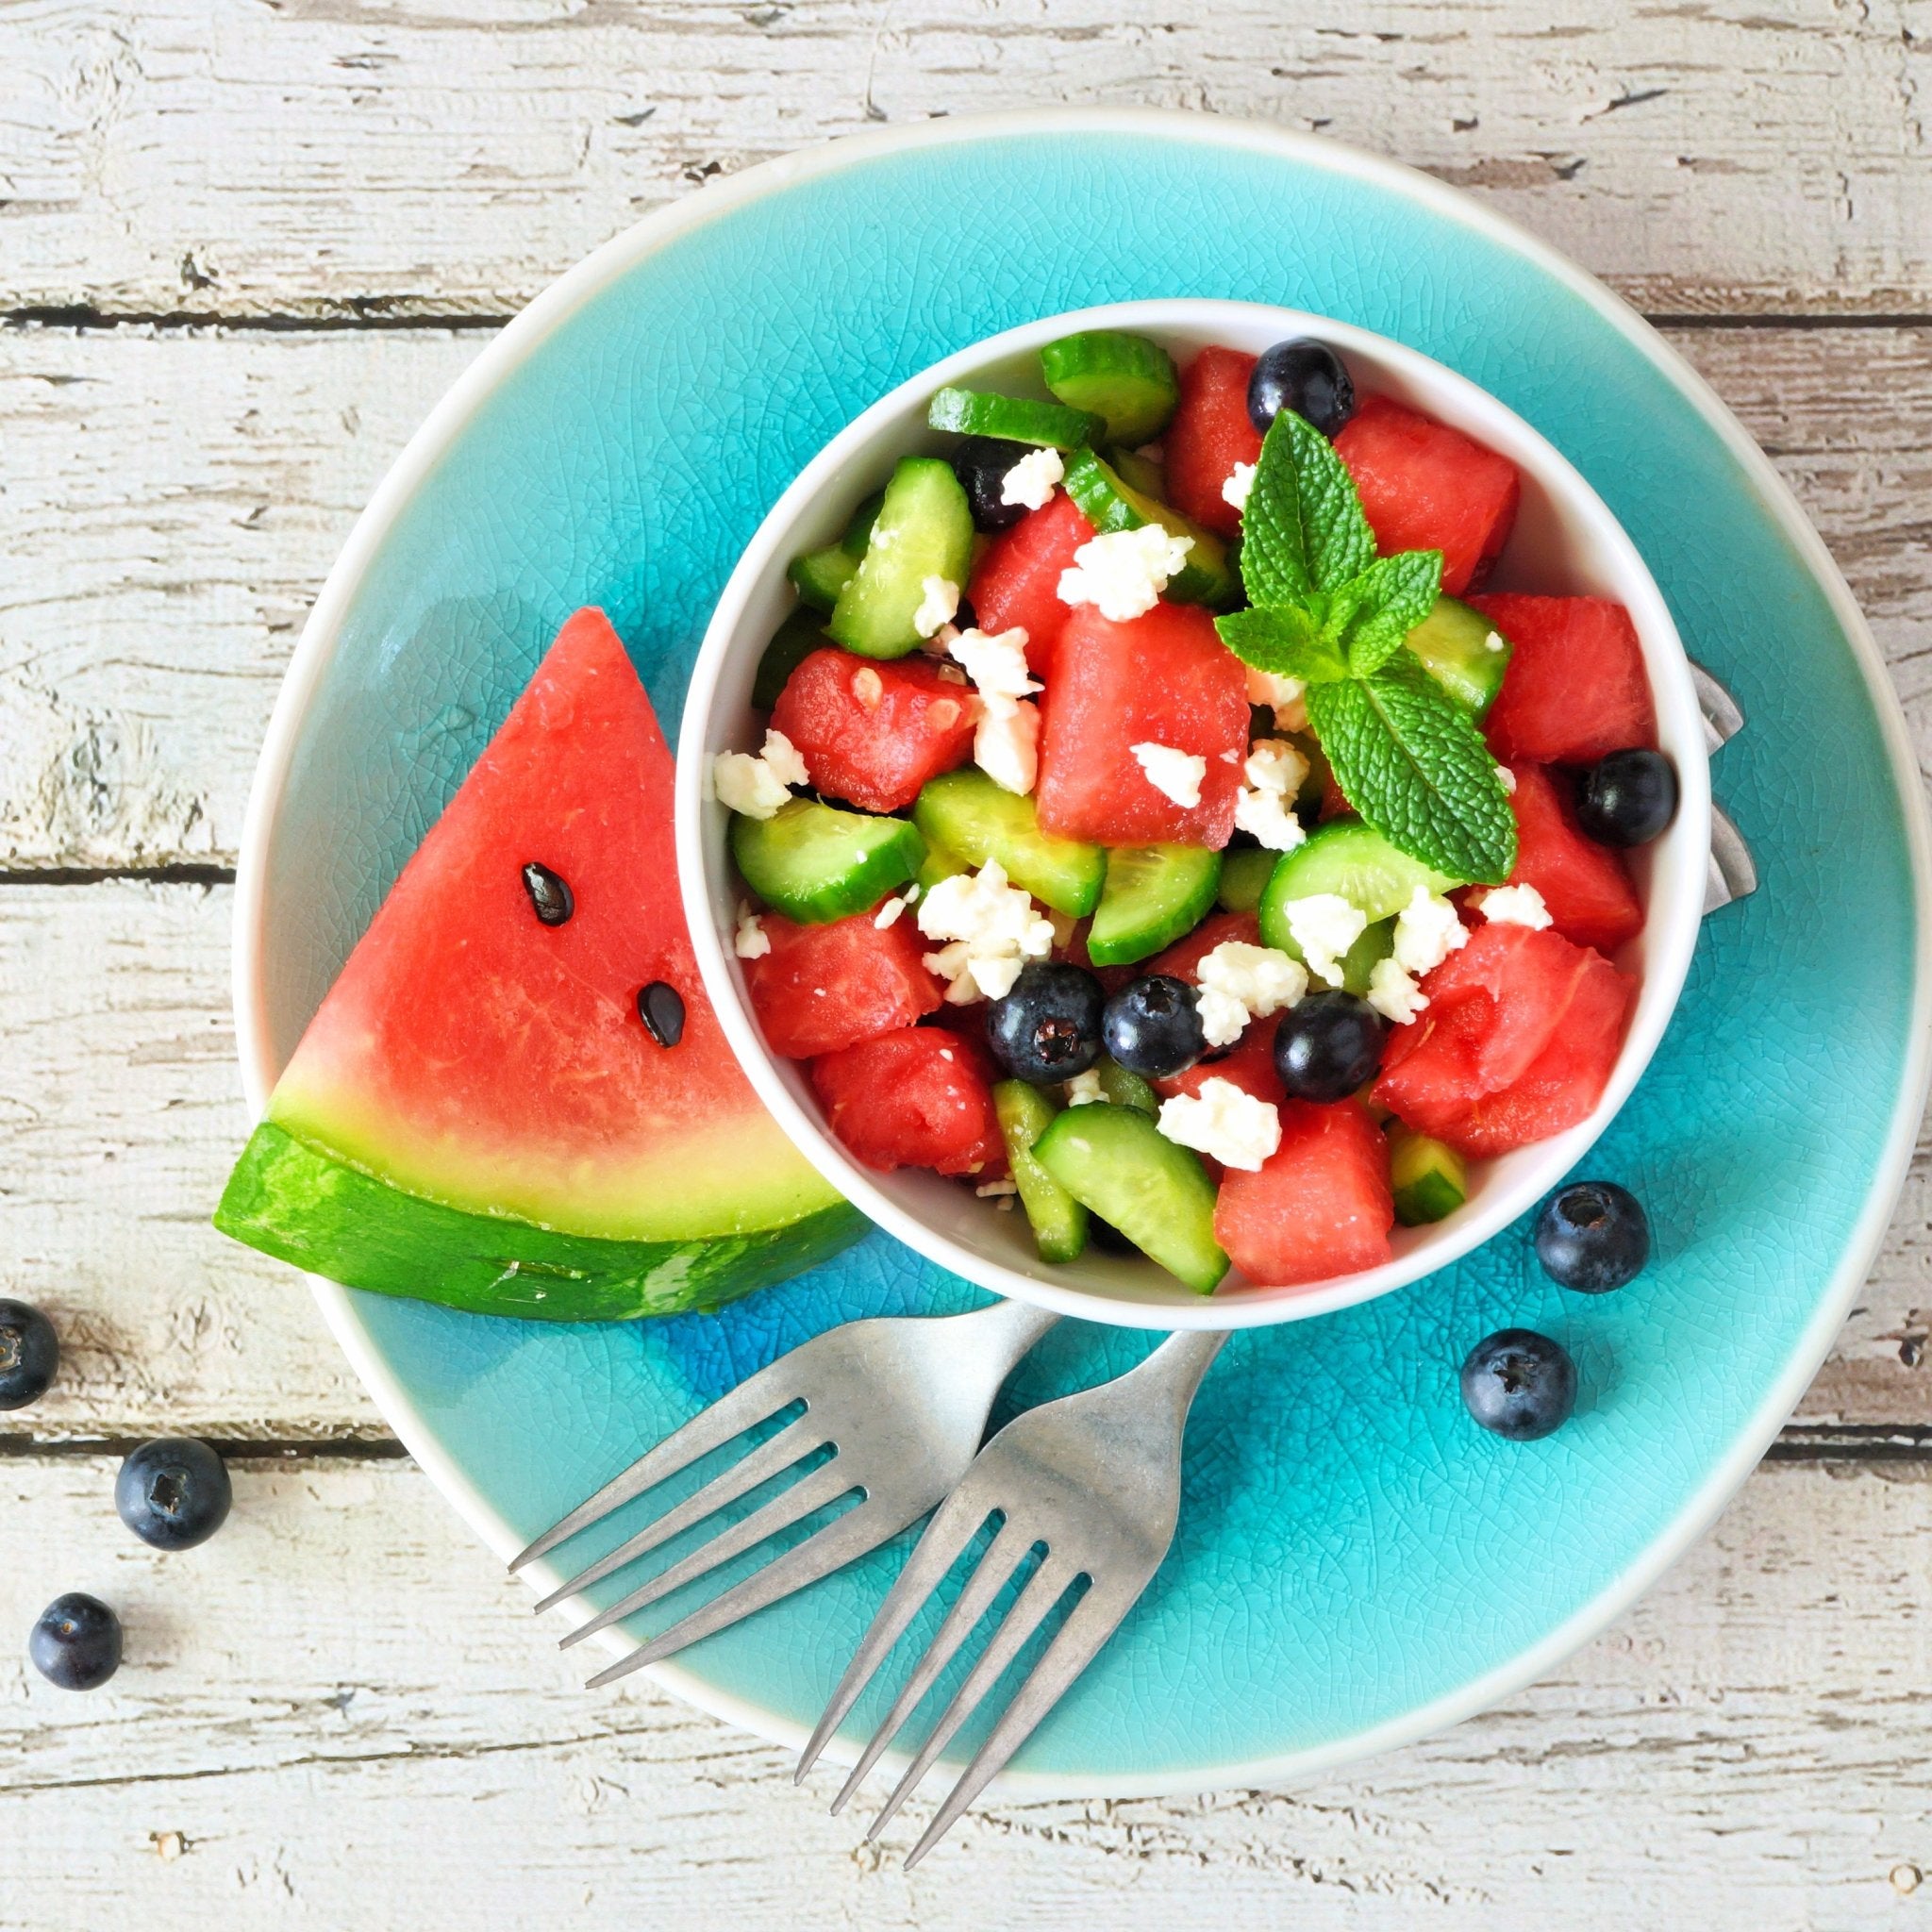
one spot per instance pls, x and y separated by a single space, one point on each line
1084 1089
888 914
993 928
1281 695
756 787
751 941
1516 905
1241 479
996 664
990 1191
1275 771
1392 991
1175 774
1124 572
1239 983
1506 779
1005 743
1426 932
1325 925
1030 481
1275 765
938 597
1223 1121
1495 642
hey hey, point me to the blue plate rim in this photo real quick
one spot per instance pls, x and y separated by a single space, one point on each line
554 308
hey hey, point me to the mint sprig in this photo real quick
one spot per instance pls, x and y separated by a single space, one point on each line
1327 610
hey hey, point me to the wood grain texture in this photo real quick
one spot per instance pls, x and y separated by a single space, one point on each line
375 157
340 1713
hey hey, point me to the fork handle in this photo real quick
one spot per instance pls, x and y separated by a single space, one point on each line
1172 1372
1002 1333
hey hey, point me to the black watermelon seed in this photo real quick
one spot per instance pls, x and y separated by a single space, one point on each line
549 896
662 1012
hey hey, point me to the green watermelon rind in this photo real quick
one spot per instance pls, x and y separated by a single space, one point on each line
300 1204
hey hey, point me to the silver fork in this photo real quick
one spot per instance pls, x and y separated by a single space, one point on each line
902 1401
1095 1477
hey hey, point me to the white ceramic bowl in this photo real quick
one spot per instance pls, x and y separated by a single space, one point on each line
1565 539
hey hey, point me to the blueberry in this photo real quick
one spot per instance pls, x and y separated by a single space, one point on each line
1151 1026
173 1493
1328 1046
77 1643
1592 1236
1519 1383
1048 1027
981 463
1303 376
1628 798
29 1353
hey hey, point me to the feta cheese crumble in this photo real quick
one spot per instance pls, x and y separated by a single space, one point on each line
1325 925
1239 983
1240 480
1495 642
1225 1122
1084 1089
1516 905
1281 695
1030 482
1275 771
990 1191
751 941
1392 991
1124 572
888 914
1175 774
992 930
1006 742
939 599
756 787
1426 932
1506 779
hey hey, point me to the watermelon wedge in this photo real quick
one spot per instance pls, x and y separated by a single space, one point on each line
477 1115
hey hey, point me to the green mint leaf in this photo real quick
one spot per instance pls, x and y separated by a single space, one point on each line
1409 758
1303 528
1285 641
1390 598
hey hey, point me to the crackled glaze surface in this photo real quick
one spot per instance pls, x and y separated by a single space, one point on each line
1351 1552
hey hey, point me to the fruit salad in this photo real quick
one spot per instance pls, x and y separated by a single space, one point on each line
1160 827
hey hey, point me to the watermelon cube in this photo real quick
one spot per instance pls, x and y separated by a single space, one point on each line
826 987
872 733
1319 1207
1518 1042
1576 688
1182 959
1249 1064
1017 582
916 1098
1586 886
1163 678
1210 432
1426 486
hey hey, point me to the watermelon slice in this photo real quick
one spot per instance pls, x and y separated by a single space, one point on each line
477 1114
1017 583
1320 1206
1575 688
1210 434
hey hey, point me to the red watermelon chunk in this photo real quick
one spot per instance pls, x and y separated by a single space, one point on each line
1585 885
1518 1042
1249 1064
826 987
1319 1207
917 1097
1210 433
1426 486
1163 678
1576 688
1183 958
872 733
1018 579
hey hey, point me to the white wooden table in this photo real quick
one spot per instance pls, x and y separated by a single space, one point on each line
244 245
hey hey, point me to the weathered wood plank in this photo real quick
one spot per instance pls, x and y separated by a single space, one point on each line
339 1712
319 157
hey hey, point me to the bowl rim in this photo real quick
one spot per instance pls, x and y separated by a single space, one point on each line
1674 921
590 277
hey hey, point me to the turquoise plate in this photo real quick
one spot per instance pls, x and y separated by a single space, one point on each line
1357 1564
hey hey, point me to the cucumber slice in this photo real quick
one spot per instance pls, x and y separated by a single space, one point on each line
1058 1222
815 863
1152 895
1108 503
819 575
970 816
1117 1163
858 531
1125 379
1376 944
924 529
792 642
1348 858
1135 472
1429 1179
1453 642
938 864
1244 876
1014 419
1125 1087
